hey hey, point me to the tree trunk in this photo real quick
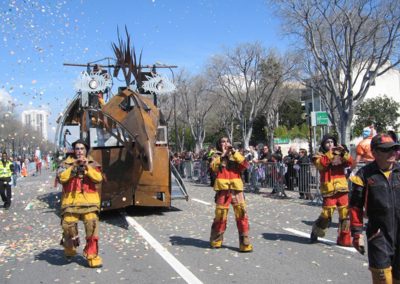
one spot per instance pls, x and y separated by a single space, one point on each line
270 142
344 130
198 147
229 133
247 136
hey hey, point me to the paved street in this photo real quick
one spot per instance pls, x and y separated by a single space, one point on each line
171 246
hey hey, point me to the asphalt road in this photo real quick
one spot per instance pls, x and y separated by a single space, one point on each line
147 245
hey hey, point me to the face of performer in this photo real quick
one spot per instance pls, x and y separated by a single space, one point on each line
385 157
225 144
80 151
329 144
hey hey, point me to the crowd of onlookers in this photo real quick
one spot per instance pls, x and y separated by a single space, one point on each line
25 166
266 168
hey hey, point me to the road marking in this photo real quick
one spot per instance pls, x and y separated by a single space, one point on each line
2 248
201 201
185 273
322 240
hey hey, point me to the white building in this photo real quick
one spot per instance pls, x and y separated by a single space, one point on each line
38 119
387 84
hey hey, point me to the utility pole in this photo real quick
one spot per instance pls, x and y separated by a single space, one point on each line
175 124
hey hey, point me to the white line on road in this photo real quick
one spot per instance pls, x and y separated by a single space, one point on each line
2 248
322 240
200 201
185 273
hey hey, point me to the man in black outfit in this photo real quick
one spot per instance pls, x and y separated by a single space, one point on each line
291 174
376 195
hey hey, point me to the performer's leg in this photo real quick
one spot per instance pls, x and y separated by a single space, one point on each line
242 221
381 275
323 221
91 251
344 235
222 200
70 239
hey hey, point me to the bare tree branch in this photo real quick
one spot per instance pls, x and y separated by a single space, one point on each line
348 44
248 77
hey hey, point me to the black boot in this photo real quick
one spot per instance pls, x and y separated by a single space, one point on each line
313 238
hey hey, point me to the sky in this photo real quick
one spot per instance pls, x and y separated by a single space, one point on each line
38 36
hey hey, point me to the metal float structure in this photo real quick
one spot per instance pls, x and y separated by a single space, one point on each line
126 133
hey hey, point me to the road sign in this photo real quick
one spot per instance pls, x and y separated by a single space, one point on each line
281 140
319 118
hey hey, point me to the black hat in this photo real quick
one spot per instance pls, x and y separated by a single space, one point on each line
383 141
81 141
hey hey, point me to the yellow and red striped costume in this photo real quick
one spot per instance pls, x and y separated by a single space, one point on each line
229 190
80 195
334 190
80 201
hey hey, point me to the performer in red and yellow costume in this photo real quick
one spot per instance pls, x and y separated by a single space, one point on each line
331 162
80 201
228 164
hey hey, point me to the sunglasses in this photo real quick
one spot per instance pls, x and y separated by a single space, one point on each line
329 141
387 150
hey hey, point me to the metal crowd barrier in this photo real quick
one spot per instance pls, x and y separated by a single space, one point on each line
279 177
199 171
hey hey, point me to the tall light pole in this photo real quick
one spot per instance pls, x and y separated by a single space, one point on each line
175 124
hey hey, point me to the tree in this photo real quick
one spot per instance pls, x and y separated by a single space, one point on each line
18 139
259 131
281 132
171 106
223 118
291 113
197 102
346 46
383 112
248 78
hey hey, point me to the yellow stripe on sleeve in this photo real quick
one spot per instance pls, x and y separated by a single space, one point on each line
357 180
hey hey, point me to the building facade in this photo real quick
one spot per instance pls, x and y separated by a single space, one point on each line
387 84
38 119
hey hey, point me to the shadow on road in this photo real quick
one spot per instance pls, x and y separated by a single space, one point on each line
310 223
148 211
56 257
184 241
114 218
52 200
286 238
